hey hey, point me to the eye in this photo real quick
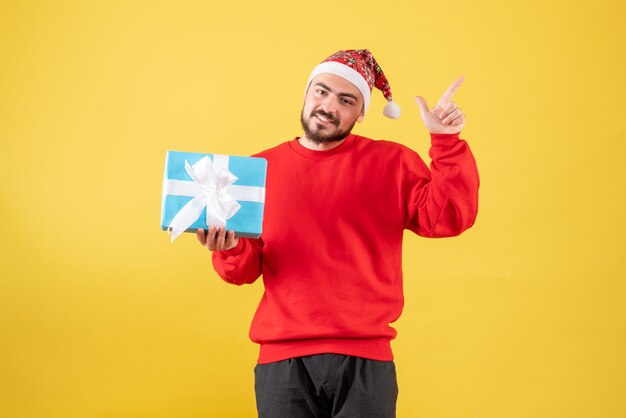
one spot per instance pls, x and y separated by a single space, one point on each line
347 102
321 92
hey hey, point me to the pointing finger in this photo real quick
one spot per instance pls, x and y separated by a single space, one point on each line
451 90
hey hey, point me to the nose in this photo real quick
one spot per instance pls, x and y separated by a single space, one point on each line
329 105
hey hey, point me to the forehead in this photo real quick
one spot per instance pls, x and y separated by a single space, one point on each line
337 84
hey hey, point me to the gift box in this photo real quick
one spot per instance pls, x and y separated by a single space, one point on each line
212 189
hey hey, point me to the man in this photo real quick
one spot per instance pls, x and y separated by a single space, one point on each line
330 253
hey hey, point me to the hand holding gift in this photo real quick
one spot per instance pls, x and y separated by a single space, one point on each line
217 239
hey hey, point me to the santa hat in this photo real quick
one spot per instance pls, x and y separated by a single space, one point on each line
359 67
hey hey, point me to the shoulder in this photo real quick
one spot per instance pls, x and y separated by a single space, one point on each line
274 151
384 147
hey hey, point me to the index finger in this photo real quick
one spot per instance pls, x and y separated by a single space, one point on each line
452 89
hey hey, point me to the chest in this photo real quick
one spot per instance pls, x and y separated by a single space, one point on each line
343 189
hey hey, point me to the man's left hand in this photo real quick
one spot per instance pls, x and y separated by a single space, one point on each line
445 117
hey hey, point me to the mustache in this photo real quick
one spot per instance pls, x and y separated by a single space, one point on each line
326 115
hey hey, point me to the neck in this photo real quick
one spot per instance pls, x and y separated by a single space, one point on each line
322 146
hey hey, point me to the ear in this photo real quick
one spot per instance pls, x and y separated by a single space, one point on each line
360 118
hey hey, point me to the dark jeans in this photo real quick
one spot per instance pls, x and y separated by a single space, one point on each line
326 386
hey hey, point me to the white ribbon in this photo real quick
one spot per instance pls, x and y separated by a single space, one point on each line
211 187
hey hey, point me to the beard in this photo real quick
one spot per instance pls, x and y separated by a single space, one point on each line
323 134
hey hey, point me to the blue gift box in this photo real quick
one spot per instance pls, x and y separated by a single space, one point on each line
213 189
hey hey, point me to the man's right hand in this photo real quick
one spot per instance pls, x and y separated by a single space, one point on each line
217 239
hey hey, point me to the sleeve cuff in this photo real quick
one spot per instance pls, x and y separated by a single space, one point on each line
236 250
444 136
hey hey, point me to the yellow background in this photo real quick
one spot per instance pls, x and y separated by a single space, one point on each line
100 316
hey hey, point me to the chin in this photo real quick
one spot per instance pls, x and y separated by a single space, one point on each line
323 134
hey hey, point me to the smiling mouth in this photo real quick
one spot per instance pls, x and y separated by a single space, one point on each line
325 119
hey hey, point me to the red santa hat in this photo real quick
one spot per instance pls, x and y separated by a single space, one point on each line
359 67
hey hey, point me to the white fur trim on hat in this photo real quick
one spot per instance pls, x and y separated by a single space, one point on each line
344 72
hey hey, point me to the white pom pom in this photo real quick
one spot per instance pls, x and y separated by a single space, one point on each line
392 110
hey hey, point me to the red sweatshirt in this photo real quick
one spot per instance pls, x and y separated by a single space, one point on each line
331 249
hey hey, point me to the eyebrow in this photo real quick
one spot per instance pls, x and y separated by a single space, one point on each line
339 94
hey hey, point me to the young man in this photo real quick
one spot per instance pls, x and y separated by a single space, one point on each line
337 205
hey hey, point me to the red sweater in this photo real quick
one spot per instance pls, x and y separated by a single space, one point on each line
331 249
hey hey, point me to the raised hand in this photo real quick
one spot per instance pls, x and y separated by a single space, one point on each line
445 117
217 239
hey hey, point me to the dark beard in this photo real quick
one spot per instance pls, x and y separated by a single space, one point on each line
319 137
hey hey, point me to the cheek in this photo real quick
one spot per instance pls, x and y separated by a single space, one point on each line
309 106
348 117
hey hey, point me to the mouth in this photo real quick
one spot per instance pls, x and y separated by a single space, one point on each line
325 120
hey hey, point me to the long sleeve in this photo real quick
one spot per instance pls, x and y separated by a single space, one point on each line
444 201
241 264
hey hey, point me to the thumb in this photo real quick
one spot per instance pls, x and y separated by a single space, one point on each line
422 104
